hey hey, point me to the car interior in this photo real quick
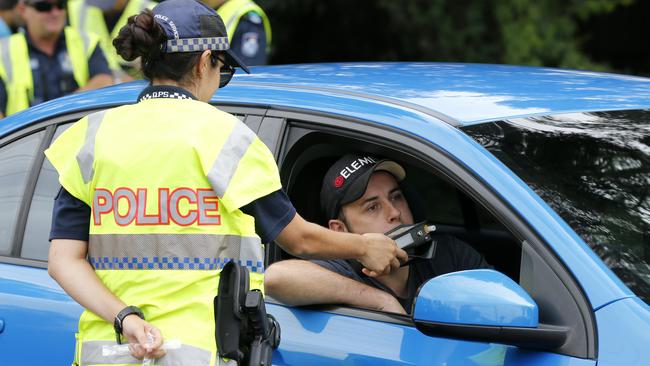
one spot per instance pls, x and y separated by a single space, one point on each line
431 198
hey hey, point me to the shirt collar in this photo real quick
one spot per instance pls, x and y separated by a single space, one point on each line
165 91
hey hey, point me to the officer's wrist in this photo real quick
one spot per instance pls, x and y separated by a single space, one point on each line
118 323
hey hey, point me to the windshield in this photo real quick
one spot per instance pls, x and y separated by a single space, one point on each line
592 169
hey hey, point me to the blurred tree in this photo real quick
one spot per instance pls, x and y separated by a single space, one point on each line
528 32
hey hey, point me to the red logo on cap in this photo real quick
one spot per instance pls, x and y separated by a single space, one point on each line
338 182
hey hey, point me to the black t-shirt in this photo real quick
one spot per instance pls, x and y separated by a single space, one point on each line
272 213
451 255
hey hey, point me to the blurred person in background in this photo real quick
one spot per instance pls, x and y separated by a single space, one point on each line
9 18
105 18
249 29
47 60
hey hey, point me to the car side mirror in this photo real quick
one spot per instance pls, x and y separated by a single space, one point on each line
483 305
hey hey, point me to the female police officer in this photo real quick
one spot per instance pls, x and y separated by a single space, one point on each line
171 189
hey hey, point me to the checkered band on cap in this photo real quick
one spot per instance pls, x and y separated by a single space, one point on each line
197 44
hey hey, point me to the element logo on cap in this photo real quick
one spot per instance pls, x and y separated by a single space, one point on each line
338 182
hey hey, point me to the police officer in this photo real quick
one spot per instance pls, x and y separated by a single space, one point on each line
157 196
47 60
249 29
105 18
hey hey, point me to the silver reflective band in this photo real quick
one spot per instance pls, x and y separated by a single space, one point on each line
86 155
197 44
174 251
91 354
227 161
6 59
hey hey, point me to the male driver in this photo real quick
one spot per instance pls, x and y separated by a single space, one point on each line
361 194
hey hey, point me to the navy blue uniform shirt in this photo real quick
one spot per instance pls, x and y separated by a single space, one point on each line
52 75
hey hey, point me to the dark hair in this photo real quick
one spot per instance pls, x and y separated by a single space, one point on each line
143 37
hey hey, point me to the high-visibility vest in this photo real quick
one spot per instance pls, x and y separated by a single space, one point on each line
232 11
17 75
165 180
87 18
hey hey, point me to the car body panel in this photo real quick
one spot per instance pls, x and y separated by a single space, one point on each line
334 339
622 326
427 102
53 316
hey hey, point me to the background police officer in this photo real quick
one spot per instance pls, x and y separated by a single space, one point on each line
105 18
249 29
47 60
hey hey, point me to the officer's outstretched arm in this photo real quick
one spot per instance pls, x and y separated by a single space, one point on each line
378 253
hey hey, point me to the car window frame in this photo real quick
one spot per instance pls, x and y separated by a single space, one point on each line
534 249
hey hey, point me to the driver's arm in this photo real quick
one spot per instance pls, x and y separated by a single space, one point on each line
300 282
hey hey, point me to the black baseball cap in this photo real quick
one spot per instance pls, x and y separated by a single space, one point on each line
192 26
347 179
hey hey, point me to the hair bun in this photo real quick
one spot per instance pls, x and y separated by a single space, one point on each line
141 36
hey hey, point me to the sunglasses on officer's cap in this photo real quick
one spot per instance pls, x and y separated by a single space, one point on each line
46 6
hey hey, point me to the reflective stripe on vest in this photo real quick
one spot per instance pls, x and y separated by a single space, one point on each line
174 252
91 354
226 163
232 11
86 155
17 74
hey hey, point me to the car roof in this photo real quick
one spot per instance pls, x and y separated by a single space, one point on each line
459 94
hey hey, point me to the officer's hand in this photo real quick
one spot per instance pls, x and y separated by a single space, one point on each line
136 331
382 255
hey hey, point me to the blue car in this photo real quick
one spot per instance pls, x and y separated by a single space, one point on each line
543 171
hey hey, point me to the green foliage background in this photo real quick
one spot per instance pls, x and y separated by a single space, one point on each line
526 32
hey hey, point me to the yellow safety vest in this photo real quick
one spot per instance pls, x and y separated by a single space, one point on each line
165 180
232 11
17 75
86 18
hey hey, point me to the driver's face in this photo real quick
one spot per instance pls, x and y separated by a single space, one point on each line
381 208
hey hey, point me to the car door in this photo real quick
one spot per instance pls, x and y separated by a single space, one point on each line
334 334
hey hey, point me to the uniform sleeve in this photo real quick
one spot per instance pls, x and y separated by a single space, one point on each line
272 214
70 217
97 63
249 40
